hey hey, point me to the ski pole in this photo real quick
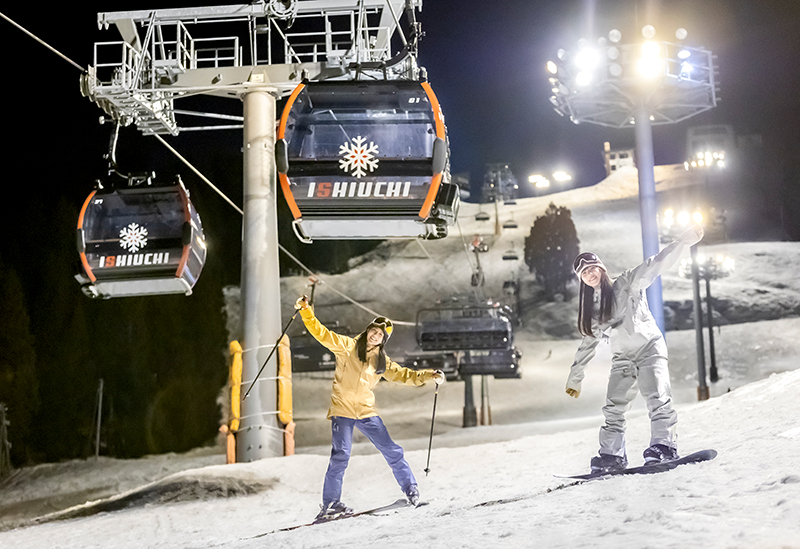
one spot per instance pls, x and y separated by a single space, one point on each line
271 353
430 441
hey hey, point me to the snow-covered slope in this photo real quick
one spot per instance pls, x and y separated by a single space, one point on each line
492 494
490 486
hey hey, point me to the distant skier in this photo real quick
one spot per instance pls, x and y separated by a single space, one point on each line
638 351
360 363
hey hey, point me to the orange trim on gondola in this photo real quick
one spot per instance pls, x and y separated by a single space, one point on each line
85 262
287 108
287 194
186 218
438 119
425 211
284 179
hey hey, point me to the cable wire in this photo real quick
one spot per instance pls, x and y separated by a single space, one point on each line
43 43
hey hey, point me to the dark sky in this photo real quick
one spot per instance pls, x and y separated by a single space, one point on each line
485 60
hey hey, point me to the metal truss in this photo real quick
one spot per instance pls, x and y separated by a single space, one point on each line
226 51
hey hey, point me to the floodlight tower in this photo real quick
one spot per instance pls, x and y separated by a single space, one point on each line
642 84
139 79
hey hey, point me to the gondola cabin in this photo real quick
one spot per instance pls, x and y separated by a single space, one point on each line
140 240
365 160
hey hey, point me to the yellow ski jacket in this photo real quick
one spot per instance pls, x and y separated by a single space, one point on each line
353 380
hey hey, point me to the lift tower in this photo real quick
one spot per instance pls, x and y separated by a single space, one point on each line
260 53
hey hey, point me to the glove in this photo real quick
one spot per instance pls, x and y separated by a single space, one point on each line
439 377
575 393
692 235
301 303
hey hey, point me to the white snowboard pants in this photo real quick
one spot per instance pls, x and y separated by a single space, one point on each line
649 376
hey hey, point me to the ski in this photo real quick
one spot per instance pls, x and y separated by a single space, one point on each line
399 504
703 455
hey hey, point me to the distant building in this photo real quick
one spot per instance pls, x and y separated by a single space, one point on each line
709 146
615 160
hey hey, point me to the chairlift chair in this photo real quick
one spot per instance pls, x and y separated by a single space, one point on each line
138 240
365 160
464 328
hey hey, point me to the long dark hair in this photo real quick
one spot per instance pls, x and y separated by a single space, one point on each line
361 350
586 305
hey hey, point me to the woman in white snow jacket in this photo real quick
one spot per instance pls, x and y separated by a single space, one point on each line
618 311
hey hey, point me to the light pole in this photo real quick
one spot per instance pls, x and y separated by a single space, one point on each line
641 84
708 268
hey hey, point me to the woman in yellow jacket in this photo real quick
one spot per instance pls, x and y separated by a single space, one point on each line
360 364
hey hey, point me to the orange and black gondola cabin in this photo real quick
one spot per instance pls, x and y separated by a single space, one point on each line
140 240
365 160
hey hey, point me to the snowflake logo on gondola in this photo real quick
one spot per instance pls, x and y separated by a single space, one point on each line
133 237
358 157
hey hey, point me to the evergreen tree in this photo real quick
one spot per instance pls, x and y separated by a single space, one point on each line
551 248
19 388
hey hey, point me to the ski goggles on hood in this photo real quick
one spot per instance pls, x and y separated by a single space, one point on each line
383 323
587 259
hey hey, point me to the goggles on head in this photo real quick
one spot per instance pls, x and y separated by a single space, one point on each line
586 259
385 323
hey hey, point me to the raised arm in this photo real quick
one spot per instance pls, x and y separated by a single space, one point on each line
331 340
652 267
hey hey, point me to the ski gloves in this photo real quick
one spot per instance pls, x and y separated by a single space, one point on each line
439 377
301 303
573 392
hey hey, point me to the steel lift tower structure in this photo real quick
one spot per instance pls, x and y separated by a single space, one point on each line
261 52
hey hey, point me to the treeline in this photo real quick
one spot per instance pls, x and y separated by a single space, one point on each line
162 359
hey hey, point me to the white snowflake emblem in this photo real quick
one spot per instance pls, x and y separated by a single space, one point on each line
358 157
133 237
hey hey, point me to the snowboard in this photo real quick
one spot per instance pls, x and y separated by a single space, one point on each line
703 455
399 504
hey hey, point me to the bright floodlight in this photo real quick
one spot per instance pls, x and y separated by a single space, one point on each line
539 181
615 36
648 31
583 79
552 68
587 59
650 64
562 176
684 54
681 34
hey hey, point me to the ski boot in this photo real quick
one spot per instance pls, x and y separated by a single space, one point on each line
412 493
658 453
332 510
606 462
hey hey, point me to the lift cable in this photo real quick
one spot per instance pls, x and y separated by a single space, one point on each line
42 42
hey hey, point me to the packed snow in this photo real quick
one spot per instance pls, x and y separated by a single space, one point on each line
491 485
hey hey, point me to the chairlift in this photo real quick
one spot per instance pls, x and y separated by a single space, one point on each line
365 160
478 327
510 224
500 363
510 255
482 216
138 240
